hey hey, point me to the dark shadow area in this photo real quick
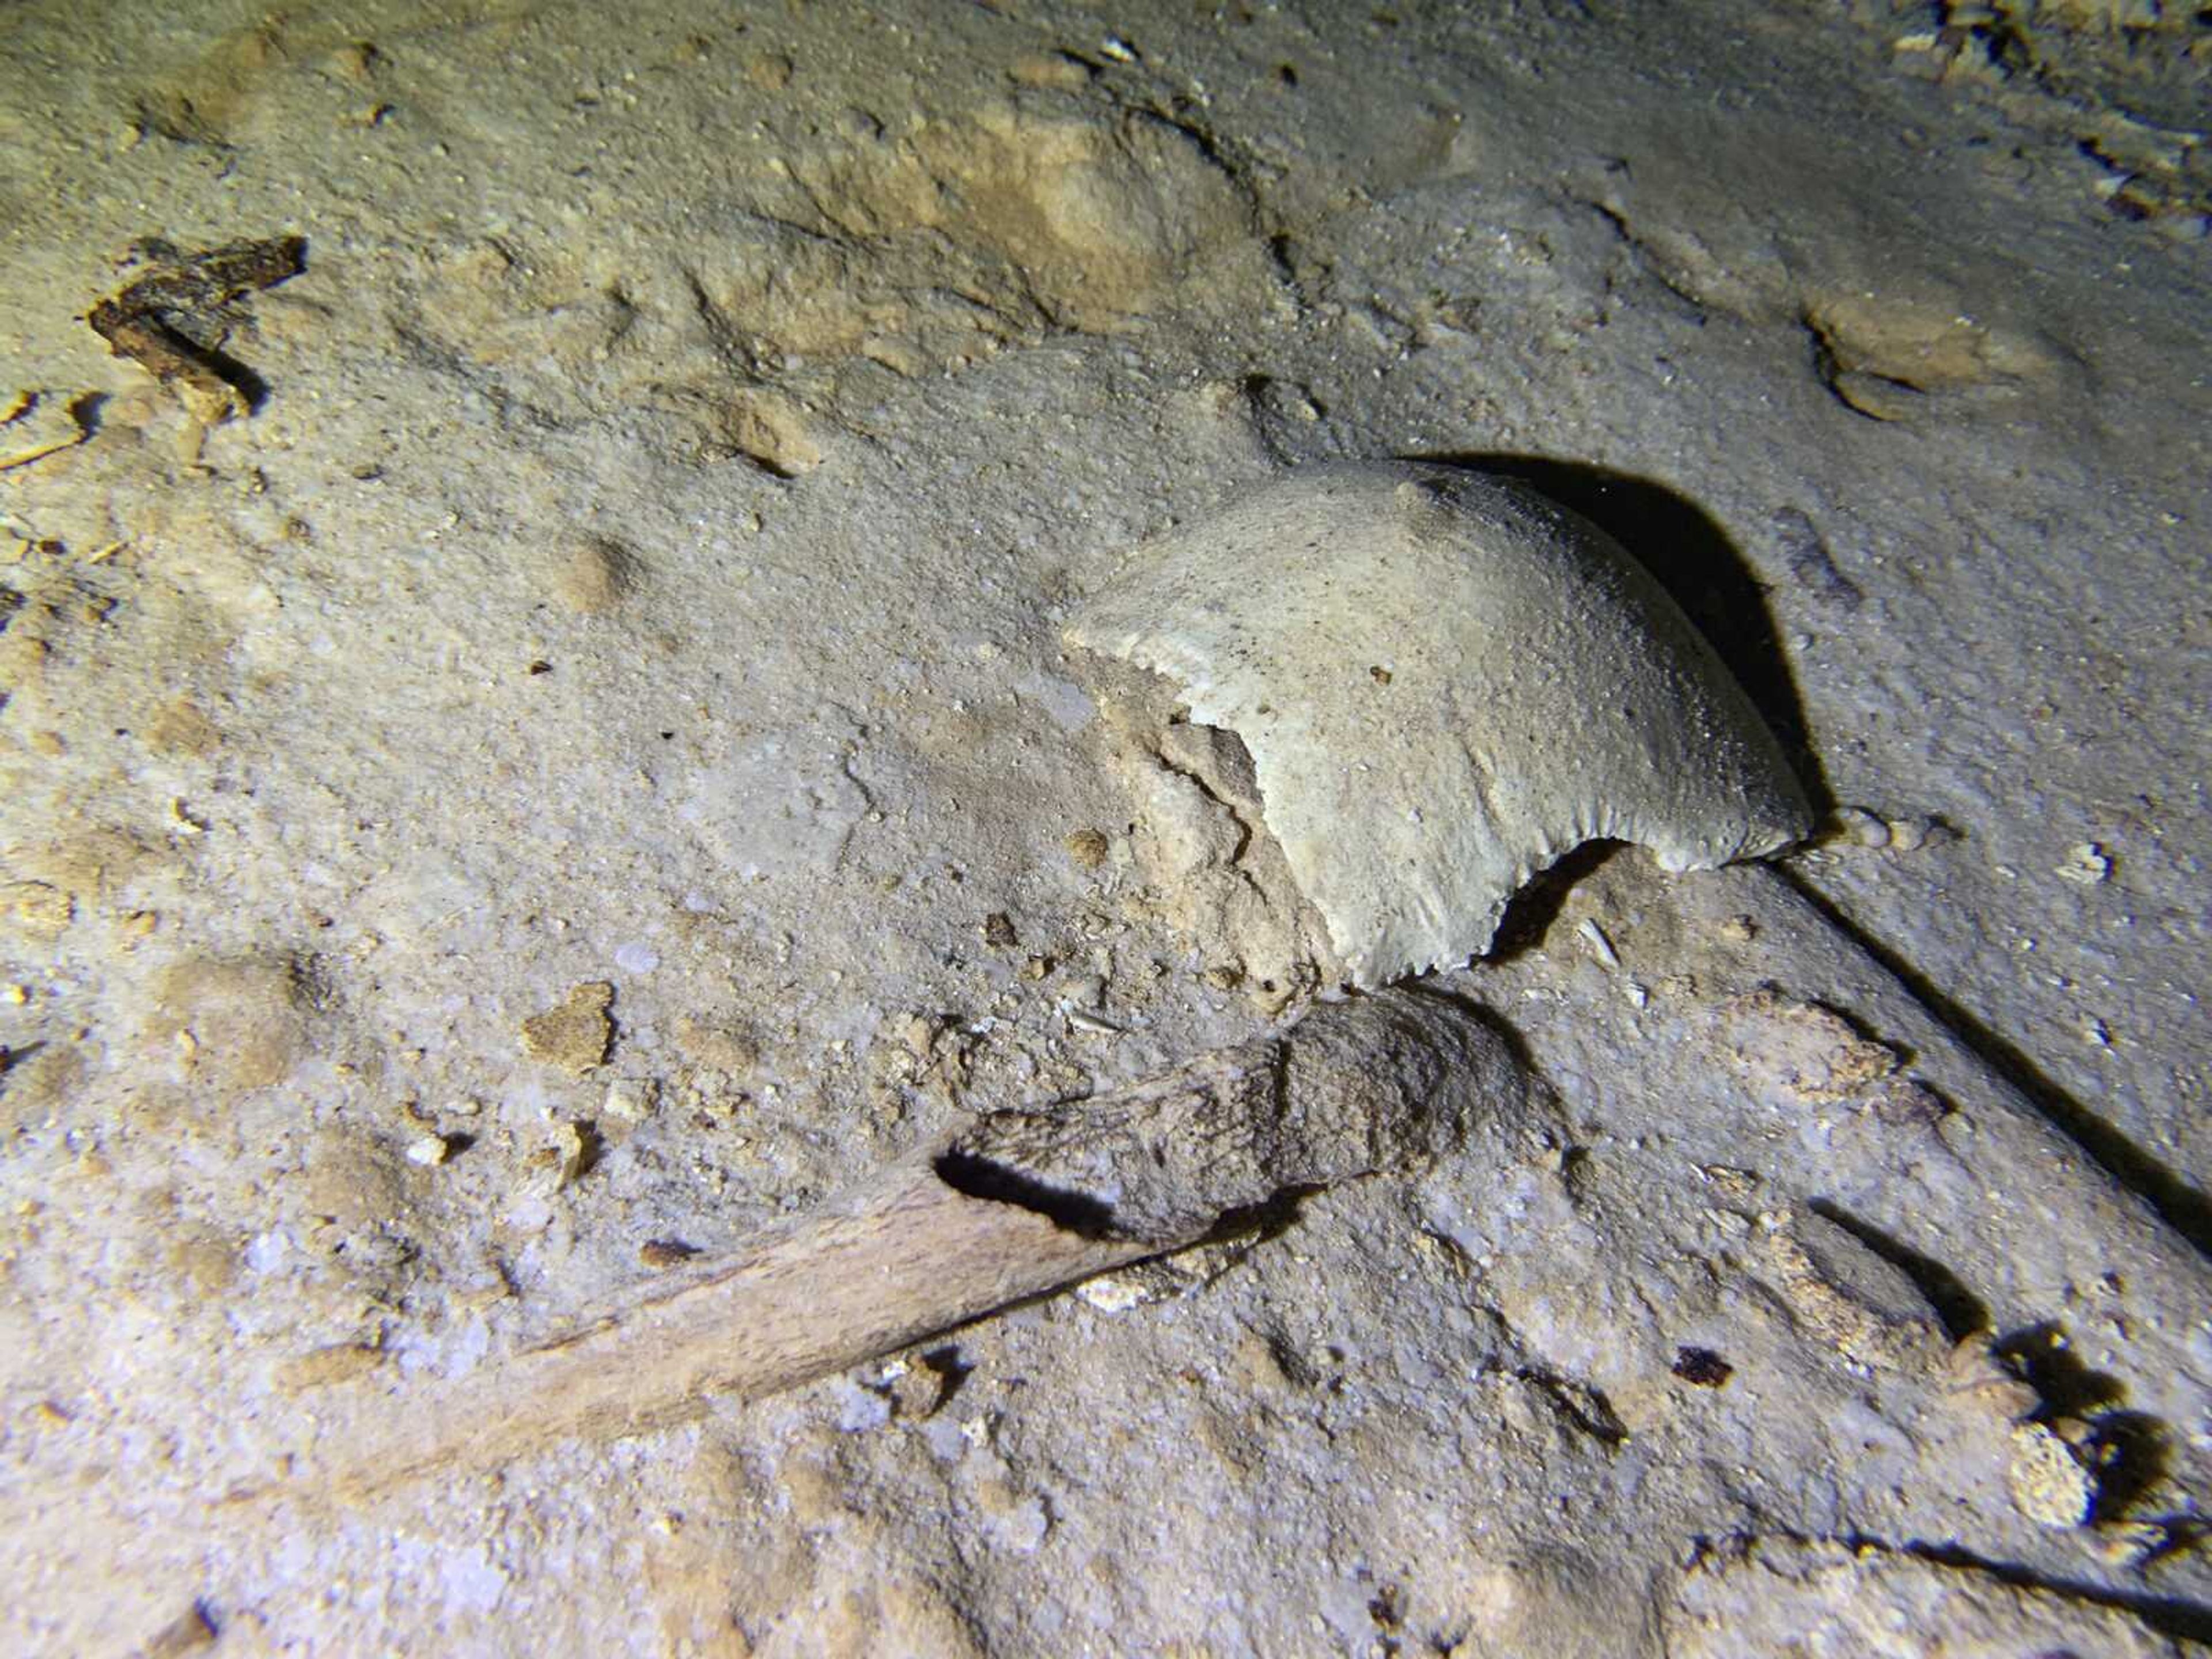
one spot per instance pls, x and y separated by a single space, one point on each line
1530 913
2040 1353
1962 1311
1585 1407
2133 1455
2170 1615
11 1058
1701 1367
2129 1451
85 411
974 1176
216 361
950 1367
1258 1223
1691 557
2183 1208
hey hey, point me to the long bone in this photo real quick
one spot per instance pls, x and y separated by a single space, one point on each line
1016 1204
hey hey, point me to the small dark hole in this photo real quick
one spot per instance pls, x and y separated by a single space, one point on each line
951 1369
1702 1366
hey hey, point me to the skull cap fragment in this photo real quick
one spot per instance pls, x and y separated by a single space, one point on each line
1445 683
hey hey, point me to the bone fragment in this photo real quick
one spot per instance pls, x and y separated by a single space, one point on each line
1444 683
1018 1204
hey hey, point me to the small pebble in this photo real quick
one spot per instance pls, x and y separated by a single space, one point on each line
1088 847
1079 1021
593 577
575 1149
1056 70
1862 828
2086 865
630 1102
1912 835
1115 1293
577 1033
2049 1484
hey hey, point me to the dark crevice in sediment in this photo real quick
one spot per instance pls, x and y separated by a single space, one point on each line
2182 1207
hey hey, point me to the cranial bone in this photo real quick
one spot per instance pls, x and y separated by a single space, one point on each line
1444 682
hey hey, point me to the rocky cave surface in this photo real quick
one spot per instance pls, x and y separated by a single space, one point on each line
547 745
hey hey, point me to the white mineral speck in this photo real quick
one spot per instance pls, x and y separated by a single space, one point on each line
1113 1293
